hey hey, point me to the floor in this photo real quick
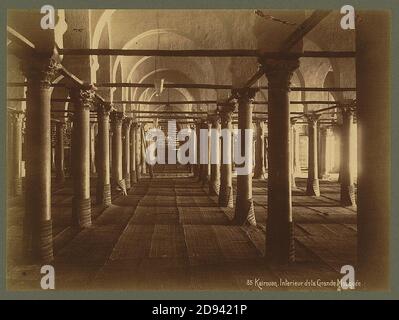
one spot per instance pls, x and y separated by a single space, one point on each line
168 234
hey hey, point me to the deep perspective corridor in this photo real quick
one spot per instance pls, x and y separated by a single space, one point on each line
198 150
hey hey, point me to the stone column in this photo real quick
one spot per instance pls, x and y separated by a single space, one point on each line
92 148
348 193
244 211
59 152
133 167
17 153
138 151
38 237
214 182
197 166
209 168
312 186
373 100
83 100
260 170
127 122
204 166
143 163
280 231
226 170
103 157
116 123
323 152
292 151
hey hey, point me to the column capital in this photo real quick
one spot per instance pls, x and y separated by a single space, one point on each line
312 117
83 97
117 116
17 116
347 107
127 122
41 71
293 121
279 71
247 94
214 118
104 108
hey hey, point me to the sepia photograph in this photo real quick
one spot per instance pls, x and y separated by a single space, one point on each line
239 150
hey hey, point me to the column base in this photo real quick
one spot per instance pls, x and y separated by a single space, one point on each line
17 186
214 188
133 177
226 197
81 212
293 182
38 241
103 194
280 245
127 181
313 188
260 175
348 196
244 213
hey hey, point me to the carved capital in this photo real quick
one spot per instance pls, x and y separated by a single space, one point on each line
127 122
117 117
312 118
40 71
293 121
279 72
83 97
104 108
244 94
17 116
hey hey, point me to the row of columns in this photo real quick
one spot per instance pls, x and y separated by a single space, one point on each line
126 153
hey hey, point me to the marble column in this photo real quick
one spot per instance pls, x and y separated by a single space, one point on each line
260 170
37 229
244 211
116 123
17 153
59 152
133 167
127 122
83 100
292 151
226 170
280 230
348 193
204 166
93 148
197 165
138 151
312 185
103 157
214 182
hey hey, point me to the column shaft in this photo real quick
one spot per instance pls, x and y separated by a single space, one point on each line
117 173
260 170
17 154
103 157
133 167
59 153
244 211
312 186
348 193
38 239
226 170
126 151
280 232
81 203
214 182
